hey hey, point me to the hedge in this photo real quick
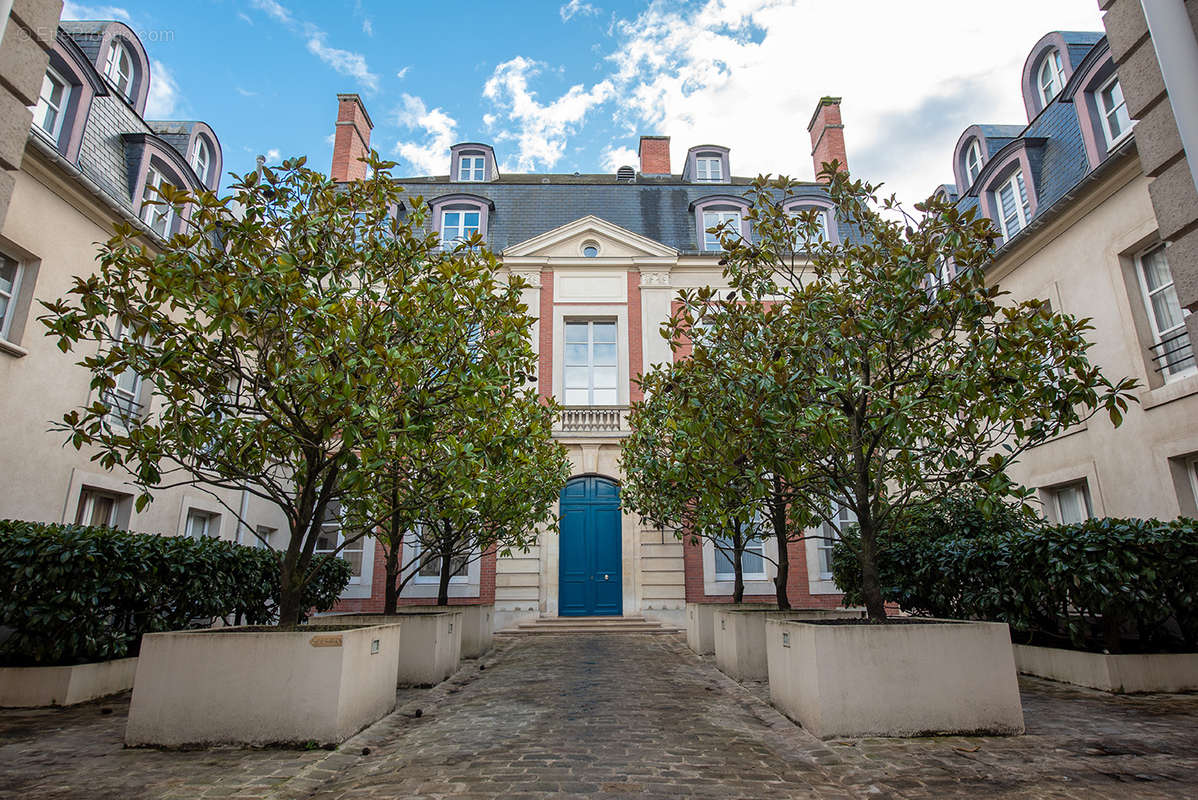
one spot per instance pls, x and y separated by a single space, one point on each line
1101 584
77 594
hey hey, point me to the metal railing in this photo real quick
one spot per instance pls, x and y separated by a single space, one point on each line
1173 353
593 419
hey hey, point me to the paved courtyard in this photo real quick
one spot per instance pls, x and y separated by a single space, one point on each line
622 716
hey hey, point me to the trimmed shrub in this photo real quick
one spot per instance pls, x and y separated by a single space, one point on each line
76 594
1092 585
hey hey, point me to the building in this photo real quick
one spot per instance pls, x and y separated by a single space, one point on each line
87 162
1071 195
1155 45
603 256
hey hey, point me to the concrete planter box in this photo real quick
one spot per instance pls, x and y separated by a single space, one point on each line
432 642
478 625
903 679
700 622
1123 673
27 687
259 686
740 637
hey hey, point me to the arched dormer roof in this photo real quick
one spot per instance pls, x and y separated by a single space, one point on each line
96 38
141 149
1072 47
691 172
990 139
184 136
468 173
73 66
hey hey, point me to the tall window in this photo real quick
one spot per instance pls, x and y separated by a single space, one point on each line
472 168
829 535
119 69
973 161
1071 503
1116 122
591 376
10 287
1013 206
200 159
331 538
51 105
429 570
97 508
1171 347
124 399
709 169
458 226
714 219
200 525
752 559
157 215
1052 76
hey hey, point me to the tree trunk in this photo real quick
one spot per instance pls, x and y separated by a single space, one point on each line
871 585
391 595
291 591
738 550
446 569
778 512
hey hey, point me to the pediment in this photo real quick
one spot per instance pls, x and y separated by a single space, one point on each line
567 241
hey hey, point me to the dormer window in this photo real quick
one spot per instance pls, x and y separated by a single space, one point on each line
708 169
51 106
715 219
1116 122
1013 206
973 161
472 168
119 69
154 212
201 158
458 226
1051 78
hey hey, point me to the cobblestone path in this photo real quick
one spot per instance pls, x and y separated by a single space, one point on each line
624 716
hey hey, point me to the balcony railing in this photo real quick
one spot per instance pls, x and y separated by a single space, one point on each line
593 419
1173 353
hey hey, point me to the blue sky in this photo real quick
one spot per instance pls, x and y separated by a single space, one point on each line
569 85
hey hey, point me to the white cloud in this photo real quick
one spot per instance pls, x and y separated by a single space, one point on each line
575 7
274 9
246 92
343 61
164 92
430 155
540 129
244 17
612 158
403 72
273 156
72 10
368 26
747 74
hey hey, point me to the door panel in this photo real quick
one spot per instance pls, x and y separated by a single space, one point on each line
574 571
589 570
607 557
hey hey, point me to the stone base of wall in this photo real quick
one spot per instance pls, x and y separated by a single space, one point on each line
432 643
740 637
1125 673
28 687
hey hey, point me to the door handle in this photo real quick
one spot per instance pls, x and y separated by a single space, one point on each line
605 577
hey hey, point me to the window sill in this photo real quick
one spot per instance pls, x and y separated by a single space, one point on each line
435 581
12 349
1174 390
758 576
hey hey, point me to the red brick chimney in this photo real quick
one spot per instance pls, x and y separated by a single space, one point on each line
827 136
655 155
352 139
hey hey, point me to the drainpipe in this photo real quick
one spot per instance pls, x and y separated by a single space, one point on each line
5 11
1177 52
241 511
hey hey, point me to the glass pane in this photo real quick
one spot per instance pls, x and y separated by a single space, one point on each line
576 353
576 397
577 377
1072 505
605 331
605 354
127 382
470 219
1156 269
751 562
3 310
102 510
8 275
355 562
605 377
576 332
431 569
451 220
1166 309
605 397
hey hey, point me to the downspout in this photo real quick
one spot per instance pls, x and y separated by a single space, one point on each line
5 11
1177 53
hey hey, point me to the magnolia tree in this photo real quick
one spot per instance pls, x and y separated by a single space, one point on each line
906 375
277 328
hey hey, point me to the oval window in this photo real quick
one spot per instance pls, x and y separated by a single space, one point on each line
590 249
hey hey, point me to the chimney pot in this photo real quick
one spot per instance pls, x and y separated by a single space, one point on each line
827 136
655 155
351 141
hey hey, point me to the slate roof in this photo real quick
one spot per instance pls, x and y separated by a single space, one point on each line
527 205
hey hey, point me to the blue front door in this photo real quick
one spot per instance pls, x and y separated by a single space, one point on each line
589 552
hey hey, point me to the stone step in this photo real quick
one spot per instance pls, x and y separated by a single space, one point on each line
626 624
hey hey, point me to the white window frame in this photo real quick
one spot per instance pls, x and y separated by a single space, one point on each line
472 169
590 365
415 549
127 397
1105 114
152 214
461 231
1018 186
709 169
264 534
87 502
1056 493
201 159
1159 335
755 544
333 526
199 524
43 103
10 297
973 161
1052 68
829 536
112 69
712 219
